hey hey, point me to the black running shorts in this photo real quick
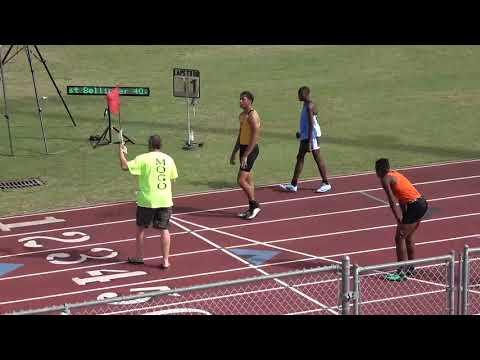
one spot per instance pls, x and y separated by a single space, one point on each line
160 217
415 211
250 159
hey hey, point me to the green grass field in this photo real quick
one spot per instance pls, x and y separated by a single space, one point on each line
412 104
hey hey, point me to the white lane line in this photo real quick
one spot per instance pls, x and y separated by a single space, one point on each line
255 242
403 296
194 301
374 198
86 245
56 211
364 173
330 213
240 206
67 228
369 228
242 225
47 220
321 196
100 265
96 206
207 273
255 267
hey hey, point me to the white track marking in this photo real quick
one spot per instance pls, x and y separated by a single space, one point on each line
224 271
255 242
235 189
257 223
243 205
374 198
369 228
56 211
255 267
313 257
206 273
233 226
402 296
100 265
329 213
321 196
393 247
364 173
193 301
96 206
68 228
47 220
247 245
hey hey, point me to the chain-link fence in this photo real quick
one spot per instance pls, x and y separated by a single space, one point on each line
311 291
415 287
426 286
470 280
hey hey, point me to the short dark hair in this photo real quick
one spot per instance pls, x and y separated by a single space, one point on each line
382 165
304 89
154 142
247 94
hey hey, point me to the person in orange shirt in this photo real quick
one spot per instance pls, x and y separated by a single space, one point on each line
413 206
247 142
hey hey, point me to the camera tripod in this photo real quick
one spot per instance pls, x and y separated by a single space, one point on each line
30 53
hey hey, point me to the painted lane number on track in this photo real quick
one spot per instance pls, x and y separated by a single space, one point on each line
30 241
175 311
52 258
112 295
98 276
47 220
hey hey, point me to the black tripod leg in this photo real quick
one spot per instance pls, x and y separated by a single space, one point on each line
102 137
125 136
7 117
54 84
107 133
27 49
6 55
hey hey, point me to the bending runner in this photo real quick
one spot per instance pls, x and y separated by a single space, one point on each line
413 207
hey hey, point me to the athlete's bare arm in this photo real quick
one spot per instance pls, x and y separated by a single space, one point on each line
386 184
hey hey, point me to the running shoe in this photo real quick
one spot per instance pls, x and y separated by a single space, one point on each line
324 188
396 276
289 187
251 214
243 214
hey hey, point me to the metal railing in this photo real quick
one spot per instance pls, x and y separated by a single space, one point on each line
329 290
470 282
309 291
429 289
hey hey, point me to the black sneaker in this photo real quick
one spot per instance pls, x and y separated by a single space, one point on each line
410 271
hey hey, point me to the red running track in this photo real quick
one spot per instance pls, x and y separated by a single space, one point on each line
45 257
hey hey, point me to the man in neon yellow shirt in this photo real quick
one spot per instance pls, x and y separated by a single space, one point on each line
156 171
